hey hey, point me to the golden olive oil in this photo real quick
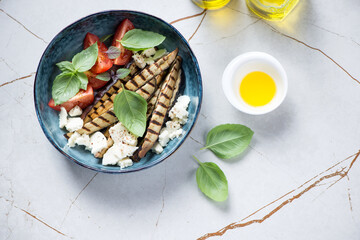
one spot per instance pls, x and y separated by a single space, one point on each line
211 4
272 9
257 89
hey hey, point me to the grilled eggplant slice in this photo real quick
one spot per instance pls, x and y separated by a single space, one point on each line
103 121
159 113
105 106
151 71
115 88
152 102
147 90
176 89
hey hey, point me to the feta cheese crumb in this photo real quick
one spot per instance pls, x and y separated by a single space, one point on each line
126 162
75 112
173 125
139 60
157 148
171 131
72 139
109 157
84 140
78 139
176 134
74 124
118 152
164 137
62 117
97 142
119 134
179 110
148 52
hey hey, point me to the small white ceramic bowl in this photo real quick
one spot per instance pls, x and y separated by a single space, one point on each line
249 62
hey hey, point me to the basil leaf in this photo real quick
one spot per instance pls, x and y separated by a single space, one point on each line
82 79
65 86
105 76
106 37
66 66
122 73
228 140
137 39
212 181
130 108
85 59
113 52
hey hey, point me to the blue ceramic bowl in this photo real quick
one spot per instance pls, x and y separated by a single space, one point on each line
70 41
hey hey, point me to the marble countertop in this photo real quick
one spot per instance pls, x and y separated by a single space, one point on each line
300 179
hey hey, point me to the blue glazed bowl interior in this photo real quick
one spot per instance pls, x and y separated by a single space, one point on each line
70 41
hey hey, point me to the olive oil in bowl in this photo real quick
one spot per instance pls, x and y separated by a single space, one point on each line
255 83
257 89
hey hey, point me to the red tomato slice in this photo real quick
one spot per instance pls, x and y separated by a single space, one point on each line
125 55
103 62
90 39
82 99
93 81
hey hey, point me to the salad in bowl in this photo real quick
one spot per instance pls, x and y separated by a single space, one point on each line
125 100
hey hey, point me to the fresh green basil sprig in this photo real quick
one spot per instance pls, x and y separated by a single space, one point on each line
212 181
130 108
68 83
225 141
228 140
137 39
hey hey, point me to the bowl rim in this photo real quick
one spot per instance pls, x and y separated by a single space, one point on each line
125 170
243 59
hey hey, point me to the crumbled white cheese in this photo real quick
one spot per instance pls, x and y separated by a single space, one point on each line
157 148
179 110
75 112
123 150
97 142
139 60
173 125
62 117
148 52
126 162
118 152
119 133
164 137
176 134
74 124
172 130
84 140
72 139
109 157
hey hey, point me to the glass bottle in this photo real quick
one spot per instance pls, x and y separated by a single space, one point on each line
275 10
211 4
